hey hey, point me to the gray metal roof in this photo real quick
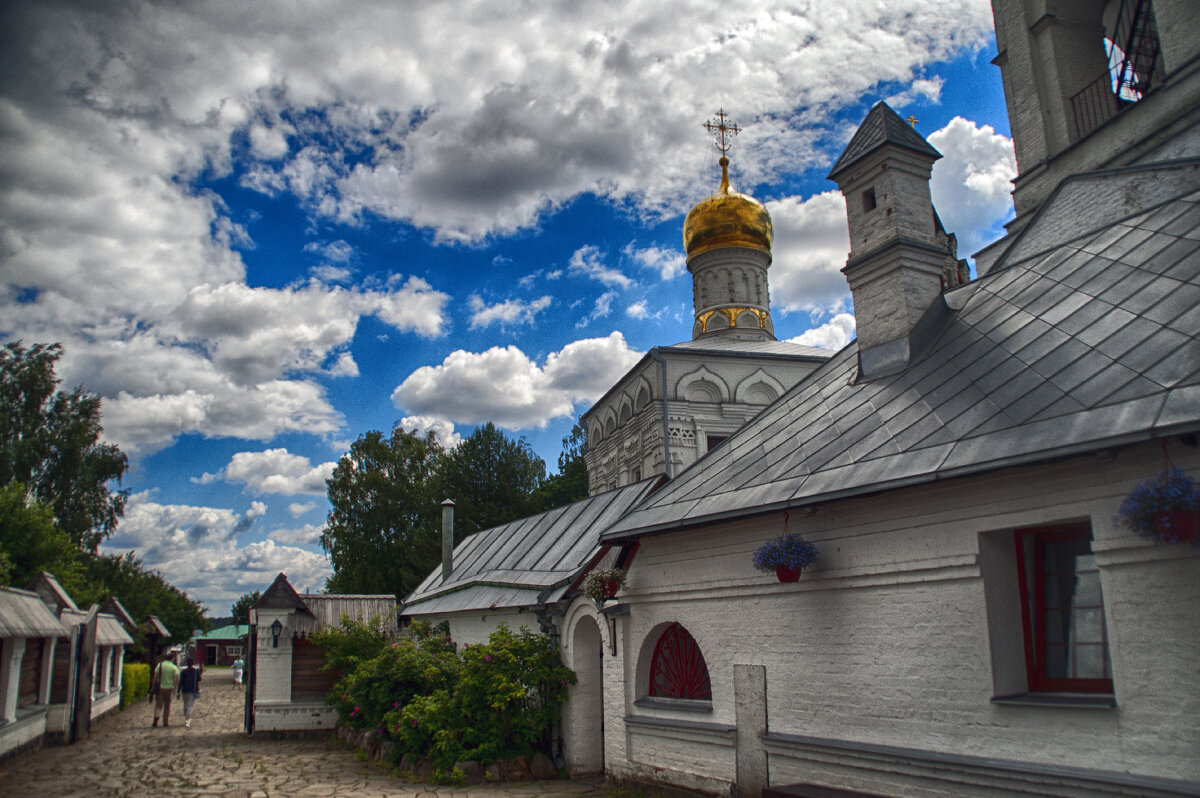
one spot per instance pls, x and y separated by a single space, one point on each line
109 631
1082 336
732 346
882 126
511 564
24 614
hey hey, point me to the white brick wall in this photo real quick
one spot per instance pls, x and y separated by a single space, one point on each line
886 642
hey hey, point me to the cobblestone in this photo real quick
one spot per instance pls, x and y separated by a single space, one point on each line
124 756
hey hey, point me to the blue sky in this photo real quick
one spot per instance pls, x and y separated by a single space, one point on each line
261 230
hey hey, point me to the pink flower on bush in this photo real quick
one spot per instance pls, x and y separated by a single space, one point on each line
487 657
414 721
395 704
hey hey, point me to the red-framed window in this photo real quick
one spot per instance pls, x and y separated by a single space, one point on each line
677 668
1062 610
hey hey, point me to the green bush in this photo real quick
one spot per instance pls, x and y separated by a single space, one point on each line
135 683
487 702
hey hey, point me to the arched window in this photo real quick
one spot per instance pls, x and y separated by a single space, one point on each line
677 669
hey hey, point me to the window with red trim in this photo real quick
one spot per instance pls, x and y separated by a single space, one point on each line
1062 610
677 668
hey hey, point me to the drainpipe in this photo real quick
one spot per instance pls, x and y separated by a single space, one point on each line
447 539
662 364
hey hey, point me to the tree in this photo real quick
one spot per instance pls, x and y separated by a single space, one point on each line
491 480
570 484
143 592
30 541
383 533
50 442
241 608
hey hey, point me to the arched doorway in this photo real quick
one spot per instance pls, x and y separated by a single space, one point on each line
584 713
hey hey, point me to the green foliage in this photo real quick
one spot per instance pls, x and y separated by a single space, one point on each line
241 608
50 442
380 673
383 533
484 703
570 484
491 479
31 542
135 683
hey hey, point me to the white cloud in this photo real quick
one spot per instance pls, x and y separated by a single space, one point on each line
589 261
811 244
601 309
440 427
505 386
297 509
833 334
668 263
971 185
508 312
308 534
276 471
927 89
637 310
198 550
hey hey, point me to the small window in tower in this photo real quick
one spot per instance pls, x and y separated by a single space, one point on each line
869 200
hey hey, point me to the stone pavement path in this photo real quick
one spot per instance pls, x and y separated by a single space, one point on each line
123 756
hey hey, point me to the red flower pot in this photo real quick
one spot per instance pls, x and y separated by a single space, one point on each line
785 574
611 587
1177 525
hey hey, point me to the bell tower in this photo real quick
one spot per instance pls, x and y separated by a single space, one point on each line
727 237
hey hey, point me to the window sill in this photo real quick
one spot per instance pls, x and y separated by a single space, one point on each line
1058 700
680 704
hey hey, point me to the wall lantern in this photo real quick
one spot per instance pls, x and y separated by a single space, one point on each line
276 631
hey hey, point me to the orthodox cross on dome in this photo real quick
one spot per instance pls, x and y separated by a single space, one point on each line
912 120
722 131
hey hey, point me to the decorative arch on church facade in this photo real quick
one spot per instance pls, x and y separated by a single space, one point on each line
642 394
610 423
596 433
702 385
677 667
625 411
760 388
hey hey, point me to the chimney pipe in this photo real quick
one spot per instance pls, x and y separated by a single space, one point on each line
447 539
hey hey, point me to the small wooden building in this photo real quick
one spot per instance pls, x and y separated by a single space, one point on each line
29 635
221 646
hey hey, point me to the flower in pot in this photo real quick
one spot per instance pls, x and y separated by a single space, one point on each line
602 584
1166 508
786 556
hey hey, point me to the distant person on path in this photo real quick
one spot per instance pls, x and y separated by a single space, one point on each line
165 676
239 666
189 688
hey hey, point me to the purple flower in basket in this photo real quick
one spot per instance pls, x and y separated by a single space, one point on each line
789 551
1172 490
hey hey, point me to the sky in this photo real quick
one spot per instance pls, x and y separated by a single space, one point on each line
263 229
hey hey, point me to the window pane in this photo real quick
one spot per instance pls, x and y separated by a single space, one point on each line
1088 626
1089 662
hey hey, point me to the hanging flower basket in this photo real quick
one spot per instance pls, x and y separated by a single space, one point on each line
1165 509
786 556
602 584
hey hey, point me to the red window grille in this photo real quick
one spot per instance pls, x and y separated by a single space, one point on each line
677 669
1062 610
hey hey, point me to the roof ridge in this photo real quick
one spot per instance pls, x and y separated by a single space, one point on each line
881 126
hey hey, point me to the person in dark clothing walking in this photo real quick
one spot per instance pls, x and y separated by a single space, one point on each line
189 688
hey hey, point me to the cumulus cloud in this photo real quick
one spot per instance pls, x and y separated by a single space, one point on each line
308 534
972 184
833 334
637 310
811 244
275 471
668 263
589 261
508 312
298 509
505 386
198 550
440 427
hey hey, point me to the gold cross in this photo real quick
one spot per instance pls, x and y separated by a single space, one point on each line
912 120
722 131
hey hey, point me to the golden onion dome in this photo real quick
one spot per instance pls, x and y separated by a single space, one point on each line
727 219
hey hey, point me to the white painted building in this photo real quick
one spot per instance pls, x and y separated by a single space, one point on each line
974 433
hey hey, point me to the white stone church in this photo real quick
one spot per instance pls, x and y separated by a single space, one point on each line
976 624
